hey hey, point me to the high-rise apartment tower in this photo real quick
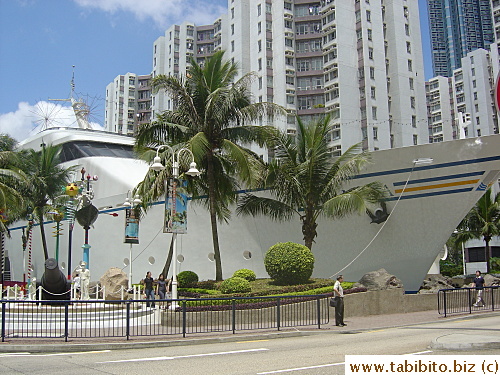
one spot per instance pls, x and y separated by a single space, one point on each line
360 60
458 27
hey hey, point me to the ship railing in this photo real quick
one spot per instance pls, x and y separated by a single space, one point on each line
465 300
72 319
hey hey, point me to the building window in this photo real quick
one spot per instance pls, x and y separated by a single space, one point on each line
410 65
232 46
232 29
260 83
368 16
260 64
407 29
259 27
374 113
369 34
412 102
259 43
414 121
410 81
415 139
375 132
232 12
372 72
370 53
373 92
290 99
259 9
408 47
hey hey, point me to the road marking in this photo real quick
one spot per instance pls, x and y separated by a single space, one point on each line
186 356
26 354
244 342
327 365
376 330
300 368
417 353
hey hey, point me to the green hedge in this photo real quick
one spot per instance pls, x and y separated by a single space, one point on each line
245 274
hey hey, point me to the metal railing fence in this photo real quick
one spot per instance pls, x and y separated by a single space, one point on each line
463 300
129 318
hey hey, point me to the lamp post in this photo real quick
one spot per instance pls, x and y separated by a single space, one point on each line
192 171
131 229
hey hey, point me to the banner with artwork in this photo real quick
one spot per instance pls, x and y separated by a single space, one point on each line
176 214
131 226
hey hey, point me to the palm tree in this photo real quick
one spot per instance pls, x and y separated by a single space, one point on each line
482 221
305 180
211 117
44 181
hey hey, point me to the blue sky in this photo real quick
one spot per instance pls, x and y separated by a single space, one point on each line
40 41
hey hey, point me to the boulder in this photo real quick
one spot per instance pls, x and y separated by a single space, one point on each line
113 281
432 284
379 280
491 280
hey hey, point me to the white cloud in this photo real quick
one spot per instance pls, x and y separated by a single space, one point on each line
28 119
163 12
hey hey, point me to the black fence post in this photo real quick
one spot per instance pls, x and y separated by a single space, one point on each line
184 317
278 313
127 317
318 304
66 321
3 320
444 302
492 298
234 315
469 300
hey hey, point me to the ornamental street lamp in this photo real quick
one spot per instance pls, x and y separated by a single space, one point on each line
192 171
131 228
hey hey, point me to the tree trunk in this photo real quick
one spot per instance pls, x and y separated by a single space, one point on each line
42 233
213 217
309 226
168 262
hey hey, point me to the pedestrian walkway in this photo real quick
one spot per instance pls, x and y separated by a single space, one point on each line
353 324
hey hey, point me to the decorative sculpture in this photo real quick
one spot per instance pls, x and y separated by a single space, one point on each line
84 281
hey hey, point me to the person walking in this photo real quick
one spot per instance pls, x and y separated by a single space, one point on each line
148 283
478 283
162 287
338 293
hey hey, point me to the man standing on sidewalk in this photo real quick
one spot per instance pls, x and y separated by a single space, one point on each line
338 293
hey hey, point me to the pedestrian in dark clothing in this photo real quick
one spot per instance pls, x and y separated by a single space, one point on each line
479 285
149 289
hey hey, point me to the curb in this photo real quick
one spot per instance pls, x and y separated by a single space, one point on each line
462 341
80 347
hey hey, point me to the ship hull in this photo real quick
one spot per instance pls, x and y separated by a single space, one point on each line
426 204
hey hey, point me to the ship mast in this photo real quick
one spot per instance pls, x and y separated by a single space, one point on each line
80 108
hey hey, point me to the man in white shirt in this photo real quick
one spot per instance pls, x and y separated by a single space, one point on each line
338 293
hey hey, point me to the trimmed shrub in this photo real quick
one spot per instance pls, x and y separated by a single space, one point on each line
289 263
235 285
245 274
186 279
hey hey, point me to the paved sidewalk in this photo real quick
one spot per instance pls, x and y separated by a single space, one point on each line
354 324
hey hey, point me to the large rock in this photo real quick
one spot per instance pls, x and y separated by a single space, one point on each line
379 280
114 281
432 284
491 280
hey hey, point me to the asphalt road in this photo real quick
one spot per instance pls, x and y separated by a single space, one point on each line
321 352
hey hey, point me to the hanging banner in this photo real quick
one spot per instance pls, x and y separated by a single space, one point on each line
131 226
176 212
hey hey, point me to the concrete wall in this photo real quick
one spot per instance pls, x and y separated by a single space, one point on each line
391 301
